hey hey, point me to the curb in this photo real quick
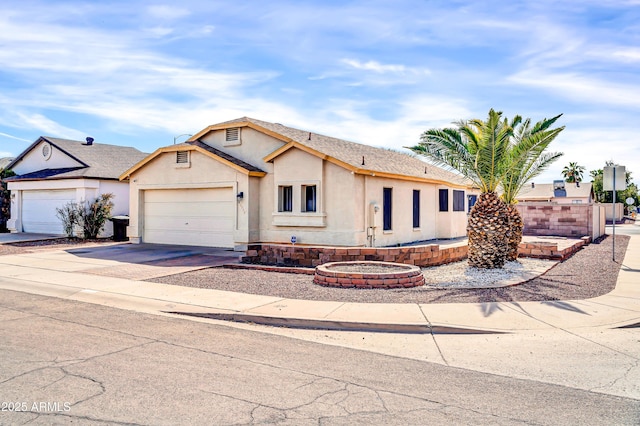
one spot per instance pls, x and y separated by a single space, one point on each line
314 324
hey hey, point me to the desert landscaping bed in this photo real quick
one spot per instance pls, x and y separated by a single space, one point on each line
589 273
51 244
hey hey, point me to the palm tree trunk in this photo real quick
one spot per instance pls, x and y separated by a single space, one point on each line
488 232
517 225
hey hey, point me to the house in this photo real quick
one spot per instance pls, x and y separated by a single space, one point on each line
559 192
53 172
249 181
5 201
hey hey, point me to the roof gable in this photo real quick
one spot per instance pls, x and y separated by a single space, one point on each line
74 159
359 158
202 148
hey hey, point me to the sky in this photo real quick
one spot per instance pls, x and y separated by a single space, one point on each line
144 74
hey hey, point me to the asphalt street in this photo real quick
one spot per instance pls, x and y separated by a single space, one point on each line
70 362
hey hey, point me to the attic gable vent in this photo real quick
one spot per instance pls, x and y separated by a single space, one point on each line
232 137
182 157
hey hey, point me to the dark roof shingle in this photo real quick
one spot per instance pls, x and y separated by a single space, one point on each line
102 161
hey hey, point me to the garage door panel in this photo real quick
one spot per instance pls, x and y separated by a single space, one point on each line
39 210
187 195
191 224
190 217
191 209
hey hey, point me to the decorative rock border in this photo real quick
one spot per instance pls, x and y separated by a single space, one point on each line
399 275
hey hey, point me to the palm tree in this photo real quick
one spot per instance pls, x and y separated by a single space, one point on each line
478 150
527 160
573 172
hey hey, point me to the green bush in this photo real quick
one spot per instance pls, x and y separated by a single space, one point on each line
90 217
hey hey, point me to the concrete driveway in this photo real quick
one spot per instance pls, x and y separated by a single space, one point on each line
21 237
125 260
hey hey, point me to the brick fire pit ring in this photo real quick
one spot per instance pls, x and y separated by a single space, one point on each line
368 274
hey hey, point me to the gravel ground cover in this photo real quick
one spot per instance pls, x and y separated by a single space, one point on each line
54 244
589 273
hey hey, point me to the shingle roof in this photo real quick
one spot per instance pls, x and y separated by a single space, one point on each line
227 157
375 159
100 161
544 191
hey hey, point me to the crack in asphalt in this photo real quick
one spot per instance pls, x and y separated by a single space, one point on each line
345 384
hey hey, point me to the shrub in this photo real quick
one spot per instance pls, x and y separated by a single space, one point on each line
90 217
69 215
95 214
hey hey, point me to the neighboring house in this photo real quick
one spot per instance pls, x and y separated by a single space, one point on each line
559 192
249 181
5 201
53 172
4 162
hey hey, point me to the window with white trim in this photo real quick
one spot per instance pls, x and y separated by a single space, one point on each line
309 198
285 198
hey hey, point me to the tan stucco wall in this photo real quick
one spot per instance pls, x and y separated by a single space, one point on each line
203 172
253 148
335 189
342 216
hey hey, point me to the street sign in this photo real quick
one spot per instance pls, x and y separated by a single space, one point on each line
614 178
630 201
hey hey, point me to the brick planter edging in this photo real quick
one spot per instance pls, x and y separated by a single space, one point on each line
311 256
423 256
407 276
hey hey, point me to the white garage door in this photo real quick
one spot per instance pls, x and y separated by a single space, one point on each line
39 210
197 217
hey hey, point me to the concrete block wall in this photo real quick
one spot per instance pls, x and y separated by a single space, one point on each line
568 220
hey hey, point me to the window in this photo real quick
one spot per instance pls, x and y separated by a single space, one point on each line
386 209
443 196
472 201
458 201
308 198
416 208
182 157
285 198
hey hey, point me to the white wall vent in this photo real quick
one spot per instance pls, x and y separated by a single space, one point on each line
232 137
182 157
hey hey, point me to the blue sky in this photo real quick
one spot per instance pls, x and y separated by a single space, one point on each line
376 72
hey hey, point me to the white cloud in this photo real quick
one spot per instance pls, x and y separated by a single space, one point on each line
377 67
579 87
6 135
167 13
374 66
49 127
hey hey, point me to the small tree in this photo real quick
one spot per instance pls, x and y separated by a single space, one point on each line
90 216
94 215
69 215
573 172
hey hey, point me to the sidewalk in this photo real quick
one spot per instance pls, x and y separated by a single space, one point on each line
64 275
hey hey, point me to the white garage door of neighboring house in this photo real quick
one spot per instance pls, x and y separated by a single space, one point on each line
39 210
197 217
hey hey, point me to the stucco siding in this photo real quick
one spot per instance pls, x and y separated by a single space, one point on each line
35 160
163 172
253 147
